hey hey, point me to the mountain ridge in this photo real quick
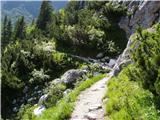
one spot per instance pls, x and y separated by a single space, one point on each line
28 9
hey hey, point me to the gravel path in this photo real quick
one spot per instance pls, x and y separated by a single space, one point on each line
89 105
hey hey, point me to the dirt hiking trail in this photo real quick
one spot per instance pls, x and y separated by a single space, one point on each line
89 105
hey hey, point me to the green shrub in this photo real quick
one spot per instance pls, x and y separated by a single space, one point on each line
55 93
38 76
127 100
147 57
86 29
134 93
28 63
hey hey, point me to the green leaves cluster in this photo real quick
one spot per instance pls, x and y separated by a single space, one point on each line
20 29
6 31
127 100
147 58
85 26
27 63
45 16
135 92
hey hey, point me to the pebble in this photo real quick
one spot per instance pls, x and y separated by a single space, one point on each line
14 101
91 116
15 109
95 89
93 108
103 86
86 103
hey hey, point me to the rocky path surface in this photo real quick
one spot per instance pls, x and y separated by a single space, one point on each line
89 105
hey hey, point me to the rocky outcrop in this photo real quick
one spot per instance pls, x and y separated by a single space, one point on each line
111 63
100 55
123 60
143 13
69 77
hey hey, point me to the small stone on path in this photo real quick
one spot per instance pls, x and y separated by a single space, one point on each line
91 116
96 107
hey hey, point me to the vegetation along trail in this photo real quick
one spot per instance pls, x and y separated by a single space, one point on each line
89 105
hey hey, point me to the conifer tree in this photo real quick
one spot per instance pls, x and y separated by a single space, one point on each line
6 31
20 29
9 30
45 15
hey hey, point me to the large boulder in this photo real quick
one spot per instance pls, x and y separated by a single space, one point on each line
71 76
55 81
100 55
112 62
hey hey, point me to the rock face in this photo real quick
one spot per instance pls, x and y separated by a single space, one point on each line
123 59
143 13
112 62
91 116
100 55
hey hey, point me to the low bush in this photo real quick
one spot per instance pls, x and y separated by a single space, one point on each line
28 63
134 93
128 101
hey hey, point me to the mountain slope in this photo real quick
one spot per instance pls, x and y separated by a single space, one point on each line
28 9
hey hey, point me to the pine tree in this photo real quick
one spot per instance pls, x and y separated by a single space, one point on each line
6 31
9 30
20 29
33 22
45 15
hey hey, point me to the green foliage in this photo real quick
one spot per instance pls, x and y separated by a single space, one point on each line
20 29
134 93
54 95
34 57
39 76
127 100
147 57
114 11
63 109
82 28
95 5
45 16
28 63
59 57
71 12
6 32
25 109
